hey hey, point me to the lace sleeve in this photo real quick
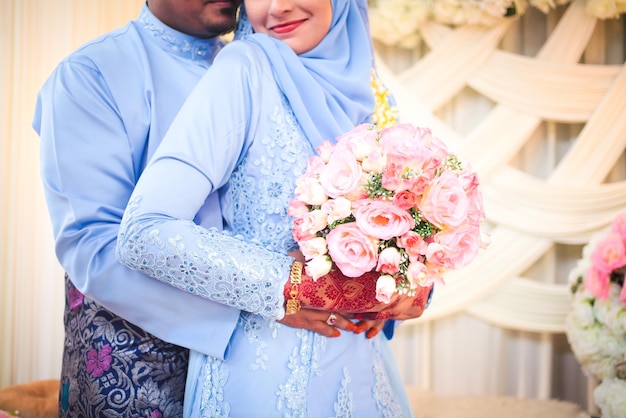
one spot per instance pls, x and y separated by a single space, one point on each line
205 262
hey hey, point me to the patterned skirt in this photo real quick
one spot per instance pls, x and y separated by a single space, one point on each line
112 368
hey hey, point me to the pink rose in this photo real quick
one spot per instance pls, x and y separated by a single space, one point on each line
299 232
405 140
439 153
336 209
405 200
418 275
475 212
389 260
341 175
619 225
318 266
361 140
441 255
598 282
314 166
444 203
353 252
397 176
325 150
414 245
609 254
297 208
466 241
385 288
382 219
414 146
313 247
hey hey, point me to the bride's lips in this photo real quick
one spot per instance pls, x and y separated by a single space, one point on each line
287 27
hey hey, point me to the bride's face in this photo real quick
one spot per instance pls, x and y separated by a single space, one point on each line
301 24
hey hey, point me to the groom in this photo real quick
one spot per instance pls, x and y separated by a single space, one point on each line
100 116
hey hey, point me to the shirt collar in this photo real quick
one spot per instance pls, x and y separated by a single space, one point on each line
178 43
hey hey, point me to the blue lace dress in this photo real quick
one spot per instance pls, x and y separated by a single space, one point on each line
249 146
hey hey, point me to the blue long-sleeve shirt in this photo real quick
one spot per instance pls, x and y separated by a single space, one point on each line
100 116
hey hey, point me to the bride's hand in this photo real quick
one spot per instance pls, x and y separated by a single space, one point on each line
371 327
318 321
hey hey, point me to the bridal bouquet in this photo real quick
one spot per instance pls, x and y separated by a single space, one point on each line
596 325
393 201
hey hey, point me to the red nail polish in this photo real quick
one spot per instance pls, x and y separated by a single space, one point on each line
371 333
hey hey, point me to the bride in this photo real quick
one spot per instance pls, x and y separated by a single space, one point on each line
298 74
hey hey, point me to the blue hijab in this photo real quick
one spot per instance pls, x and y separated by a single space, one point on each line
328 87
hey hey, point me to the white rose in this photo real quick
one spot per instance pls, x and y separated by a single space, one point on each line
314 221
310 191
337 209
313 247
374 162
318 266
385 287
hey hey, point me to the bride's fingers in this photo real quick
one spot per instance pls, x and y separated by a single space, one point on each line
371 327
312 320
337 320
321 322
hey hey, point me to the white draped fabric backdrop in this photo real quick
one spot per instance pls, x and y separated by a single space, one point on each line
537 104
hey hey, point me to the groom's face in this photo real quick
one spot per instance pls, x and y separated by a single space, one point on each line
199 18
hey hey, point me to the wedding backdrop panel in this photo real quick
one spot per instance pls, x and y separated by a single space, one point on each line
538 105
536 102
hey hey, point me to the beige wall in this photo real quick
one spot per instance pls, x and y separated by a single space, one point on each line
36 35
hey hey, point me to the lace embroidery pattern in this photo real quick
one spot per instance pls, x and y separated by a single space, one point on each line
344 407
303 361
262 185
215 377
206 263
382 391
253 326
176 41
292 395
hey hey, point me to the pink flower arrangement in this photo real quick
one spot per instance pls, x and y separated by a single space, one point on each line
596 324
391 200
608 261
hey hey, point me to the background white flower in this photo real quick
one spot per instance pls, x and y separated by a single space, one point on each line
398 22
